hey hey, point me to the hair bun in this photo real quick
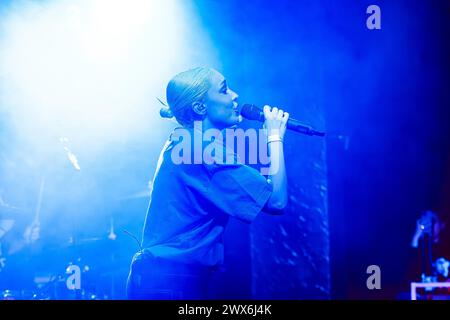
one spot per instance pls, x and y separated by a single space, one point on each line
165 112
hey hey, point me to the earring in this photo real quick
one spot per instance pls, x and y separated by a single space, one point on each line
200 108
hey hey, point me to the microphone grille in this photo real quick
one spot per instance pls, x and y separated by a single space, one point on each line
252 112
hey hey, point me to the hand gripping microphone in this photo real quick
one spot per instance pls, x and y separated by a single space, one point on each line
252 112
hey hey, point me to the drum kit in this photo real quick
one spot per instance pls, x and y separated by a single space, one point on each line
45 268
54 266
51 270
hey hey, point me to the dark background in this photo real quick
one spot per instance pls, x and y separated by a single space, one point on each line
383 94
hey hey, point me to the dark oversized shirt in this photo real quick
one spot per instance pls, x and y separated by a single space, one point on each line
191 203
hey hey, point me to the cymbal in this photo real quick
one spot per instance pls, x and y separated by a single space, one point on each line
81 241
137 195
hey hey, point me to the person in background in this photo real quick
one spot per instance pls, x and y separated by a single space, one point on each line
428 240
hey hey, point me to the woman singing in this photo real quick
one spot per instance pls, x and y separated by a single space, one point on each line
191 202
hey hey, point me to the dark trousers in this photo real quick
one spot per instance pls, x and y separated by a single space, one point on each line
152 278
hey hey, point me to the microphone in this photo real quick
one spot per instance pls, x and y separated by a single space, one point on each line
252 112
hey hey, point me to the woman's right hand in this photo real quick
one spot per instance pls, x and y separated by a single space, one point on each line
276 121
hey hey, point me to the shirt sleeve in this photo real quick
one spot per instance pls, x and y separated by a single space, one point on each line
239 190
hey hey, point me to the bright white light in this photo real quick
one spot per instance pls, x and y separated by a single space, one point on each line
91 69
114 26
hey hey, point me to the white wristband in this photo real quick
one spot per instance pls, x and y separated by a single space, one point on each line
273 138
